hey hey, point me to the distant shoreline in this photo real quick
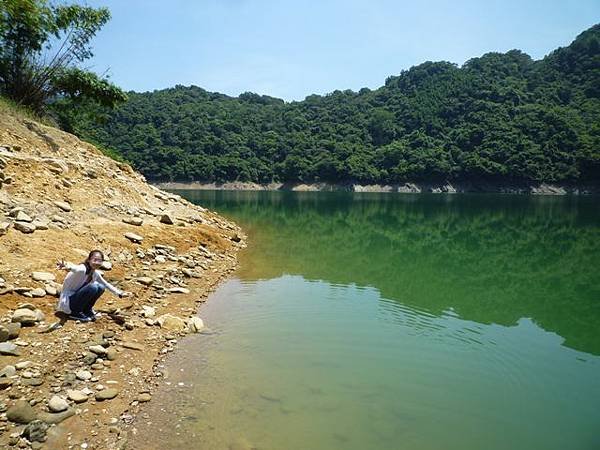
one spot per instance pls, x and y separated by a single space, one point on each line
407 188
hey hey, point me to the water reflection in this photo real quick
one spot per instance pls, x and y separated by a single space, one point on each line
486 258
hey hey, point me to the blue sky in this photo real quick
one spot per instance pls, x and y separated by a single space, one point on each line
291 49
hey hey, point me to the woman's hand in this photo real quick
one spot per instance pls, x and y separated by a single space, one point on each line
61 264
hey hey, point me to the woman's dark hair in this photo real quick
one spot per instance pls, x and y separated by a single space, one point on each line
88 267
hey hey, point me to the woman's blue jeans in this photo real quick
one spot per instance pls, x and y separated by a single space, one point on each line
84 299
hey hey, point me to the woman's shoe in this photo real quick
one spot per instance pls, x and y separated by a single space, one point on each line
80 316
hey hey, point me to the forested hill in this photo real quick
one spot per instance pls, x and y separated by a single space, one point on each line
501 117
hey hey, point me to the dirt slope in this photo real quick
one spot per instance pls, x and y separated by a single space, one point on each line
59 199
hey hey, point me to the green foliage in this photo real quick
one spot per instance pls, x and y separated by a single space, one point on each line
500 117
40 46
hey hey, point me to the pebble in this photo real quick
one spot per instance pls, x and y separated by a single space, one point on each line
21 412
146 281
178 290
107 394
8 371
144 397
8 348
63 205
137 221
77 396
57 404
22 217
111 354
24 227
135 238
23 365
97 349
83 375
43 276
132 345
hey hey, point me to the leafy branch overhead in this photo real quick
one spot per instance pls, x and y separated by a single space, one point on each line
41 46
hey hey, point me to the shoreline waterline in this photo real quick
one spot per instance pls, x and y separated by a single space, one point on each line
405 188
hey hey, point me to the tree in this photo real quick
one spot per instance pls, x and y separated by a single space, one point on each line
40 47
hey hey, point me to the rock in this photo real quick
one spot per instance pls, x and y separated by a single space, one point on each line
24 227
97 349
195 324
133 345
55 418
236 238
40 224
137 221
144 397
106 265
58 219
13 330
167 219
8 348
38 292
148 311
190 273
160 259
51 290
146 281
135 238
21 412
43 276
8 371
107 394
83 375
4 226
35 431
57 404
171 323
111 354
26 316
108 334
178 290
23 365
76 396
33 382
90 358
63 205
5 383
4 333
22 217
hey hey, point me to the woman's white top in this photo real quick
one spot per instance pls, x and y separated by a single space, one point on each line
75 279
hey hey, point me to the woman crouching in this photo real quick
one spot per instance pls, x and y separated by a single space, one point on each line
83 286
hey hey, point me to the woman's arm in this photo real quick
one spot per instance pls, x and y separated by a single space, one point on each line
118 292
67 266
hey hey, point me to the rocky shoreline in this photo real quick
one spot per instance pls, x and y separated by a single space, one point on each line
66 384
405 188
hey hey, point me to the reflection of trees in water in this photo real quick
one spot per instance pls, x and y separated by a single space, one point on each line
491 258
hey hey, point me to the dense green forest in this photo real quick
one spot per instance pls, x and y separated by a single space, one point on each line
501 117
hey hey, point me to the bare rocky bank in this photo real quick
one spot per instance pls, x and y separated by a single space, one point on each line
65 384
405 188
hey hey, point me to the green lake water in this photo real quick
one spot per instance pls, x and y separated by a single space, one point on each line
388 321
